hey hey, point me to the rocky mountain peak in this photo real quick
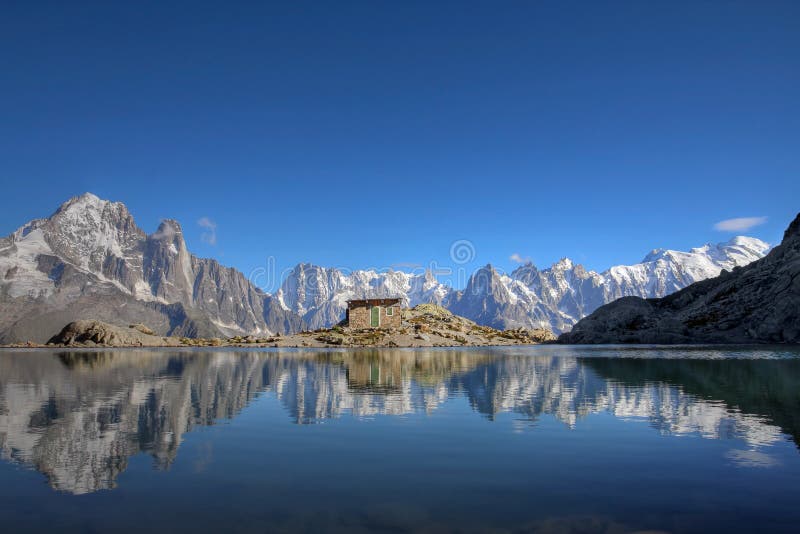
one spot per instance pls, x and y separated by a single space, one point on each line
170 235
430 278
90 207
168 229
526 269
87 230
91 257
793 231
742 240
81 202
488 268
654 255
564 264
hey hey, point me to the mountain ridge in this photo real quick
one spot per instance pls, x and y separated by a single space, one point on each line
555 297
90 257
756 303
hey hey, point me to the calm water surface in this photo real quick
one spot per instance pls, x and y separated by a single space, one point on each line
539 439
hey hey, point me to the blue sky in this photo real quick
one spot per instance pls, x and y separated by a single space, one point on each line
372 134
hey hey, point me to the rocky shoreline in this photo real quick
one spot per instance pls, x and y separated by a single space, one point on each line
426 325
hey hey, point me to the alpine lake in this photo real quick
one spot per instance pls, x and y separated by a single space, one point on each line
539 439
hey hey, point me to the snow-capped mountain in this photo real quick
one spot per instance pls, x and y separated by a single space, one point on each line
89 259
566 292
319 295
757 303
555 298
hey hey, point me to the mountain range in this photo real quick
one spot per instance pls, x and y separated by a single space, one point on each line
89 259
555 297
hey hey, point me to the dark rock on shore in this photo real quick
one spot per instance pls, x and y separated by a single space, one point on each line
758 303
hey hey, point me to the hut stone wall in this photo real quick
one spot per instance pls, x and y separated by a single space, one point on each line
359 313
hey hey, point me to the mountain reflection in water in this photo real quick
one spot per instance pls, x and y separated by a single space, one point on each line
77 417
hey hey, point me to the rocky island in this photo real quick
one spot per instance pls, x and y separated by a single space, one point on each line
426 325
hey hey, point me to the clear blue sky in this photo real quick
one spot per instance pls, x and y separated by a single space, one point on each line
370 134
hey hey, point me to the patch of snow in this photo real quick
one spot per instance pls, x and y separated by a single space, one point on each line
232 329
85 228
142 291
27 280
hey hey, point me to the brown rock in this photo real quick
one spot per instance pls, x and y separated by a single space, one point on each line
93 333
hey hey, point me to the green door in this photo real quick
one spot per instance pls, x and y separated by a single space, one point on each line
376 316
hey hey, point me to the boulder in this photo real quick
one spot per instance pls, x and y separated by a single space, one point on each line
143 329
93 333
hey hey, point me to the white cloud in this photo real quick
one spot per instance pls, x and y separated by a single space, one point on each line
516 258
210 234
165 231
740 224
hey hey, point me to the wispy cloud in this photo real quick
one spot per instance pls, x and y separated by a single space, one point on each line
517 258
210 234
165 231
739 224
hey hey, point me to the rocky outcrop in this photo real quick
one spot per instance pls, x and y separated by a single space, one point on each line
144 329
425 325
758 303
91 333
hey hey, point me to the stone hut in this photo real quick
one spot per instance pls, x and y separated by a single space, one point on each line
373 313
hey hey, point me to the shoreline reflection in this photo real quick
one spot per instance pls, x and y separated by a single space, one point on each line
77 417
